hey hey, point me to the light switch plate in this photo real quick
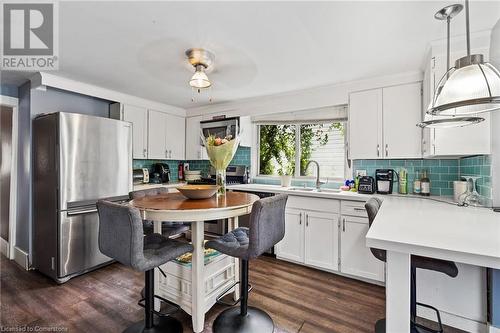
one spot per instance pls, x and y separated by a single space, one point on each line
360 173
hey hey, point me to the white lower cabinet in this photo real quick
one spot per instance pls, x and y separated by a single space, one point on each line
291 246
330 235
355 258
321 240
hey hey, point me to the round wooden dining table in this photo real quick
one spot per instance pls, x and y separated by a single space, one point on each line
175 207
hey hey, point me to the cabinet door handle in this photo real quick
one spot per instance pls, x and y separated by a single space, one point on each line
359 209
378 150
144 152
386 150
170 153
343 224
166 153
300 219
307 220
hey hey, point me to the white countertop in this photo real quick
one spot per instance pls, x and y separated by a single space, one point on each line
325 193
433 227
438 230
138 187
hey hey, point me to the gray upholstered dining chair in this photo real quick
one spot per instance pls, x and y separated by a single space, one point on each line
267 227
449 268
168 229
121 237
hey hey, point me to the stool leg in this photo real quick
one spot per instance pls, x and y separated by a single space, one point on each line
149 301
244 287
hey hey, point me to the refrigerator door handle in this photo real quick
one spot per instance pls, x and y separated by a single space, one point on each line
81 211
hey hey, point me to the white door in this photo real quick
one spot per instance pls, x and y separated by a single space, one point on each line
365 124
355 258
175 137
321 240
157 129
291 247
402 110
139 118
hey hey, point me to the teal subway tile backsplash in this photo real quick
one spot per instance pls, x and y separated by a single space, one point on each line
441 172
241 157
478 166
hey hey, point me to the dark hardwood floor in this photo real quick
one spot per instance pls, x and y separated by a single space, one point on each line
298 298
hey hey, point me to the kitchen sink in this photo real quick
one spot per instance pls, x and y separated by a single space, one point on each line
330 190
307 189
310 189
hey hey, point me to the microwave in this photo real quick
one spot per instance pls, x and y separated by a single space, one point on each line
221 127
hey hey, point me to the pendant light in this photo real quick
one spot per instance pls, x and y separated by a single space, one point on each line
471 86
433 121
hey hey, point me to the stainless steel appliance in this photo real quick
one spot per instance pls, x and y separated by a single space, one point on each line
140 176
220 127
384 179
235 174
78 160
366 185
163 170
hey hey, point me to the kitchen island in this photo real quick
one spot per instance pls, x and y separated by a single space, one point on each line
431 229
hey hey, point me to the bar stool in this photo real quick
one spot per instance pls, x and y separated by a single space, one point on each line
449 268
121 238
168 229
267 227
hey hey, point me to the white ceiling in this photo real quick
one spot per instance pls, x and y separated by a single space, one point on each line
261 48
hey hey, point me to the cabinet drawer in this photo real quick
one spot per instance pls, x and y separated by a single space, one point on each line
353 208
316 204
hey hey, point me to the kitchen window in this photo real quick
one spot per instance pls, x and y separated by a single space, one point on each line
287 148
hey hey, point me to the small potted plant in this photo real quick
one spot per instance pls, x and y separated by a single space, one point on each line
286 172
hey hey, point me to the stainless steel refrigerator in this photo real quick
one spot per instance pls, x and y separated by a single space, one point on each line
78 159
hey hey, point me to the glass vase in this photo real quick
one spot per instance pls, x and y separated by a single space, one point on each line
220 181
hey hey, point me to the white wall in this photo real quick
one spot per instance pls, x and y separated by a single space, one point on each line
313 98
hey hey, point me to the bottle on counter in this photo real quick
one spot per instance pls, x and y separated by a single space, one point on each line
417 184
425 185
180 171
403 181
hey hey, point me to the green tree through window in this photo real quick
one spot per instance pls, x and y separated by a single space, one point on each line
322 142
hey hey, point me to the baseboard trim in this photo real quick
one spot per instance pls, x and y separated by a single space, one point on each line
456 321
21 258
493 329
4 247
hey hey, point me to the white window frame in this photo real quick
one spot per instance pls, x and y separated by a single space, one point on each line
297 176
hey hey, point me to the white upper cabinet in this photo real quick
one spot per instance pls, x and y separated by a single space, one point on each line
175 136
138 117
382 122
402 107
166 136
194 148
246 131
459 141
365 124
157 136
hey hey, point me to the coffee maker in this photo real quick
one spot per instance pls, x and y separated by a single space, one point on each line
163 170
384 179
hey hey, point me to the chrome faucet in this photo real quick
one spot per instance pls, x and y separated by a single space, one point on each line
318 182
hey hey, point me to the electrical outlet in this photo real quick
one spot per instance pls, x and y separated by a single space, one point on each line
360 173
